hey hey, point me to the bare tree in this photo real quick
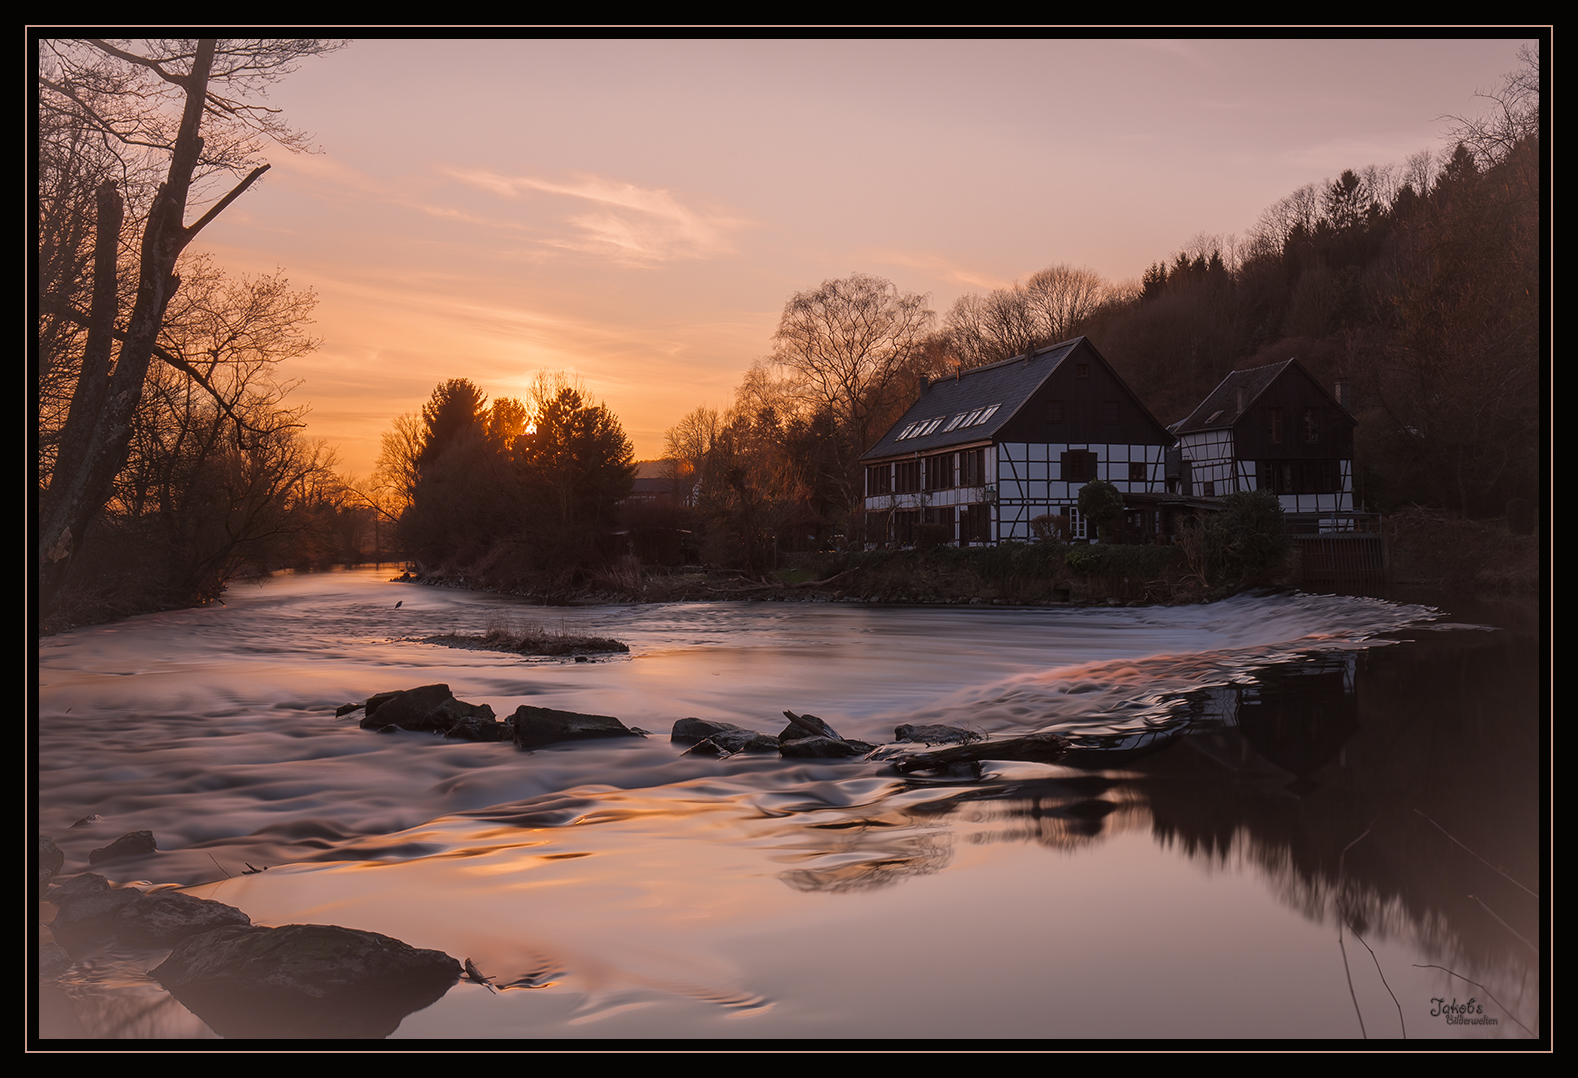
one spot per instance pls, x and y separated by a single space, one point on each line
849 344
185 104
398 468
685 447
1062 297
1513 118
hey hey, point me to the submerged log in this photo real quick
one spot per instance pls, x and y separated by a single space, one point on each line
1035 748
936 734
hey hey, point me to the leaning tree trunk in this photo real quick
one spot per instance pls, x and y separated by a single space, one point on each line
96 437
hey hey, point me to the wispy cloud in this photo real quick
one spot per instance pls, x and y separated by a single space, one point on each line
940 268
631 224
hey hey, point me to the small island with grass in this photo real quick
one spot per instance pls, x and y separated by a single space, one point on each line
530 639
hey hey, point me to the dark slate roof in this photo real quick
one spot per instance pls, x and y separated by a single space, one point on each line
1007 384
1220 409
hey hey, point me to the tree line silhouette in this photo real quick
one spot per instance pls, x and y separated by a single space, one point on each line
169 459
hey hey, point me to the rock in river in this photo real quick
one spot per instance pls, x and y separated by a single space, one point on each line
304 980
538 726
128 845
432 708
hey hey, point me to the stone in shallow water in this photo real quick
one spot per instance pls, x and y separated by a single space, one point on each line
132 844
164 918
318 981
822 748
535 726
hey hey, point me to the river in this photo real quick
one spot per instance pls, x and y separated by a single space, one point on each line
1289 816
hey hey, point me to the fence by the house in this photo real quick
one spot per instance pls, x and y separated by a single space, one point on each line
1350 562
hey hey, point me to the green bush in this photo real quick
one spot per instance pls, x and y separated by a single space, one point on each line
1126 562
1245 543
1101 502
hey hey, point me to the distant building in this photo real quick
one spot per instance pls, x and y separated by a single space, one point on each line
654 482
985 452
1274 428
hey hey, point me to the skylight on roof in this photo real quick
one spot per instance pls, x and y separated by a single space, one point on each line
920 427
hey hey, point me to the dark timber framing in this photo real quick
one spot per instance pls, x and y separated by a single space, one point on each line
1275 428
987 451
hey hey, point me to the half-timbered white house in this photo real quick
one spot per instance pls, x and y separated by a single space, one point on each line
1274 428
986 452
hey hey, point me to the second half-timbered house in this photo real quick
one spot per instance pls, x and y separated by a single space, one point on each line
1274 428
984 453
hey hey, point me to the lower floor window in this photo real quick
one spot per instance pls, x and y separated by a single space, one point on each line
1299 476
975 524
1076 523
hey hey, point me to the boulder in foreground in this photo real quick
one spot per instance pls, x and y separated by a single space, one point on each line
315 981
538 726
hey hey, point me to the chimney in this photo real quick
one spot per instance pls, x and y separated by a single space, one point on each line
1340 391
925 384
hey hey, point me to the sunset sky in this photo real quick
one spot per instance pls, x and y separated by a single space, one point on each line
637 211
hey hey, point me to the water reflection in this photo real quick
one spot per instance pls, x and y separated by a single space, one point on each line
1275 746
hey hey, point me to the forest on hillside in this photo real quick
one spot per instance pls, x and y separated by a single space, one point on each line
1419 284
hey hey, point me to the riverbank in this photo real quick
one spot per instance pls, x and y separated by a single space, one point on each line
1015 574
1428 551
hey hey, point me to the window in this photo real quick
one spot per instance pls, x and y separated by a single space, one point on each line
972 467
920 427
1076 523
1054 411
1137 471
907 477
1311 426
1079 466
1274 425
1209 488
1082 370
1299 476
975 524
879 479
939 471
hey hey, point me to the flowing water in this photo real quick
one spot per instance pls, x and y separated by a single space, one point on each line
1286 816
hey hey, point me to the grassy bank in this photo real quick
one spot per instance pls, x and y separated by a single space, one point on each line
1011 574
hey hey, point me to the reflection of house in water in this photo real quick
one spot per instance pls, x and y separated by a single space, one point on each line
1293 719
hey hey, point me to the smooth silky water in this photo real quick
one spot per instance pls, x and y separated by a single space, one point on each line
1277 822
